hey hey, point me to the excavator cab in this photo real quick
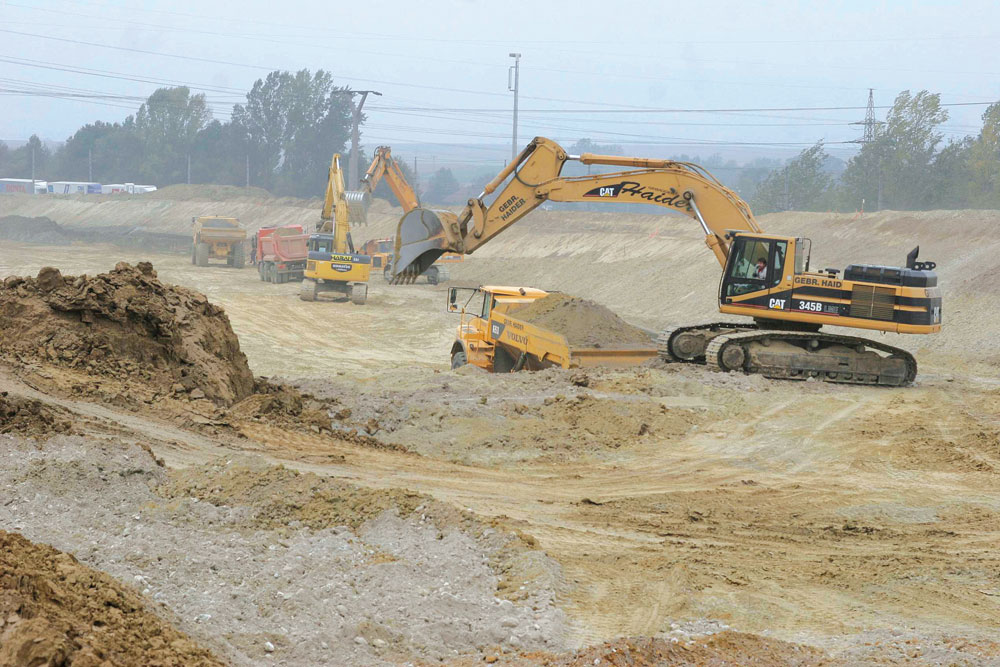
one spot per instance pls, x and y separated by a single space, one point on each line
757 264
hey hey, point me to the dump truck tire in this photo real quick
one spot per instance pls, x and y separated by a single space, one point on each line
432 275
307 292
459 359
239 256
194 258
260 271
359 293
201 254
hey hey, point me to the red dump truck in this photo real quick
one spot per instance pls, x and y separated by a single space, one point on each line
281 253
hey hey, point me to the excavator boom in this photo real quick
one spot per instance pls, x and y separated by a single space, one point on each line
534 177
385 166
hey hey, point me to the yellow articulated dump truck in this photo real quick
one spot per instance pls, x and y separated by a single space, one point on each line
216 237
493 335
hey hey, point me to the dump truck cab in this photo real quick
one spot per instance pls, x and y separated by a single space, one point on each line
474 342
217 237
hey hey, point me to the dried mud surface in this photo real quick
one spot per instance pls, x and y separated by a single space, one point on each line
582 322
55 611
744 519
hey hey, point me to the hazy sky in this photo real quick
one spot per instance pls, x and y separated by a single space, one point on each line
442 65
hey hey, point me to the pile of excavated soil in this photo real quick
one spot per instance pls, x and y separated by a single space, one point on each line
33 230
28 416
583 323
55 611
125 323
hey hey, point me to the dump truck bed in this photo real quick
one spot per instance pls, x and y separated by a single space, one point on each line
550 348
284 247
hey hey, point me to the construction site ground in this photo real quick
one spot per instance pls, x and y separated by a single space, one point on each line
560 517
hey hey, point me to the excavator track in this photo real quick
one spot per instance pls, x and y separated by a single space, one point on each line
692 350
794 355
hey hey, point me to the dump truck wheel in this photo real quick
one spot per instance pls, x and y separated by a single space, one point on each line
194 257
502 361
359 293
459 359
201 254
432 275
307 292
239 256
260 271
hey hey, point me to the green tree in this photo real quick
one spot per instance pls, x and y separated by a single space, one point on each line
80 155
899 158
441 185
801 185
219 154
984 161
17 163
166 126
294 123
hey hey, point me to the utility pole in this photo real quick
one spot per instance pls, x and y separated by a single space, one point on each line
90 165
248 171
189 169
32 170
353 176
513 84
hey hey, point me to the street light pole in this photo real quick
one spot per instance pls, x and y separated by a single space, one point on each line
513 84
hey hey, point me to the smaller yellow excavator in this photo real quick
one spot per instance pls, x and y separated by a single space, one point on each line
765 277
381 250
332 264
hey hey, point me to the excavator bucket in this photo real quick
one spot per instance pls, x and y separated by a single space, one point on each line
420 239
358 202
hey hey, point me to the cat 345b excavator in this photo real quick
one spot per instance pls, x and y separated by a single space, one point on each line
765 276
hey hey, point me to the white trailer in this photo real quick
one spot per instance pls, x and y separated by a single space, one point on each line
21 185
74 188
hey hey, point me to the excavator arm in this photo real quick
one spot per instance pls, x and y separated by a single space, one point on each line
335 217
534 177
385 166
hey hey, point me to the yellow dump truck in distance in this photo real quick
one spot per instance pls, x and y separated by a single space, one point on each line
217 237
490 337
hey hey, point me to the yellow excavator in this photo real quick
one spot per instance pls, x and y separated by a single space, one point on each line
765 277
332 265
381 250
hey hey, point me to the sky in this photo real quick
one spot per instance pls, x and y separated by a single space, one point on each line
737 78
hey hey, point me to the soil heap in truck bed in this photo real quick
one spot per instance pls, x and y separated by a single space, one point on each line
583 323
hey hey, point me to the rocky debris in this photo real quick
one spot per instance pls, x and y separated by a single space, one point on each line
583 323
28 416
55 611
125 323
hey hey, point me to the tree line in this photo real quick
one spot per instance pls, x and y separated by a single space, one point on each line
281 139
906 166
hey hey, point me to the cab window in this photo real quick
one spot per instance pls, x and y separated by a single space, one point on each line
778 262
748 271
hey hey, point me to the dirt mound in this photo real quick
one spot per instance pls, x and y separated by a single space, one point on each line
206 192
277 496
726 647
33 230
125 322
55 611
583 323
28 416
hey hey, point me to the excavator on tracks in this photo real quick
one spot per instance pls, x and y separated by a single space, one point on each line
765 277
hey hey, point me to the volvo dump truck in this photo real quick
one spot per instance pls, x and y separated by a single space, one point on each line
493 337
215 237
765 277
332 265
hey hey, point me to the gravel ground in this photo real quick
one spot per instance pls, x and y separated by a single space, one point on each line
394 590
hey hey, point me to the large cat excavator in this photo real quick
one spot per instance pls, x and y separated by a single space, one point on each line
332 265
765 277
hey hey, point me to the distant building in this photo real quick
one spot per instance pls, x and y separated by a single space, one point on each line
126 189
